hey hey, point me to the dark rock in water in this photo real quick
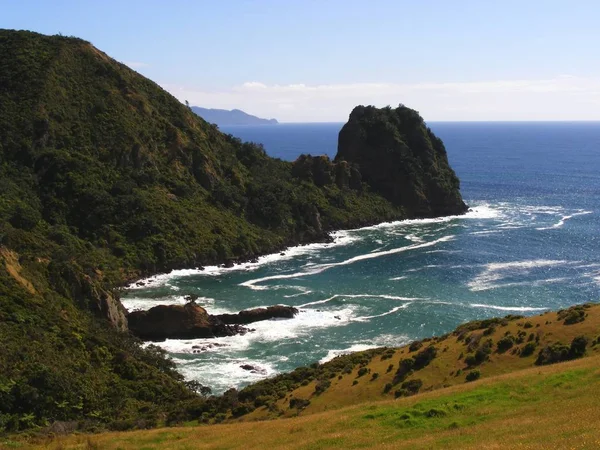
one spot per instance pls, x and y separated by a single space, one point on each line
254 260
192 321
400 158
229 263
337 317
179 322
248 367
282 254
257 314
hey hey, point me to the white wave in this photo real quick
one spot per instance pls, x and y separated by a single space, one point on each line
486 232
340 238
495 272
414 238
507 308
384 296
403 277
484 211
563 219
252 284
303 292
387 313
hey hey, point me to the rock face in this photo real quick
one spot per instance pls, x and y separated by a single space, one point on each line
257 314
401 159
192 321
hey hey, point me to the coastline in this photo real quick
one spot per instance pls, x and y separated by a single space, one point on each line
334 238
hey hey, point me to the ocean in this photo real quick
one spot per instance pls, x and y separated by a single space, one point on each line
528 244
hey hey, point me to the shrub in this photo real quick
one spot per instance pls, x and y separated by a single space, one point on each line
390 368
322 386
473 375
551 354
425 357
412 386
528 349
374 376
355 382
573 315
505 343
578 346
362 371
558 352
405 367
415 345
387 388
528 325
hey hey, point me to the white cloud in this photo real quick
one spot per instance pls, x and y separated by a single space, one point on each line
563 97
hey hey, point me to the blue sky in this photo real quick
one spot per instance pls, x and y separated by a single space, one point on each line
306 60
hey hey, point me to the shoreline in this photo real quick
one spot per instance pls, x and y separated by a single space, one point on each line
254 261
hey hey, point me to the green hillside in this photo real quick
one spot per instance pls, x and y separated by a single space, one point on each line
105 177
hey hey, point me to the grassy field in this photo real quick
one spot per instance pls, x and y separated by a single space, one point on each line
544 407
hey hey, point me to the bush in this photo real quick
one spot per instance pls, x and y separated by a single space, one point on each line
412 387
362 371
322 386
425 357
558 352
404 369
473 375
573 315
374 376
387 388
528 349
505 344
415 345
578 346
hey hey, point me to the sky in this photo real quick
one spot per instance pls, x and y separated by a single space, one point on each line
313 61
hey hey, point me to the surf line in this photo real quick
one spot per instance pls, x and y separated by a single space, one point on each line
319 268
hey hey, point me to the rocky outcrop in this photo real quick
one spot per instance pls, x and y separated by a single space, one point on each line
192 321
401 159
258 314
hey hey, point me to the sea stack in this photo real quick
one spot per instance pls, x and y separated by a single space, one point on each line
401 159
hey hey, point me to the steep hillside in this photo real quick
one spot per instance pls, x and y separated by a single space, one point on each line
224 117
105 177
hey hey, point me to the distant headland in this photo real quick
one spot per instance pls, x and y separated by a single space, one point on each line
224 117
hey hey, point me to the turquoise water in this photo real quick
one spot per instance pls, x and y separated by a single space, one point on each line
530 243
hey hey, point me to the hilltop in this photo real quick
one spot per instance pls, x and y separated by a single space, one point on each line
224 117
104 178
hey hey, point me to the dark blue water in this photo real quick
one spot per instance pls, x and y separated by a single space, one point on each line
529 244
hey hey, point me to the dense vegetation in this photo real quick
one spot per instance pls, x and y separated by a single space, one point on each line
105 177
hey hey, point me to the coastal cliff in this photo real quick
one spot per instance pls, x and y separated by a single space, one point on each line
104 178
399 157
